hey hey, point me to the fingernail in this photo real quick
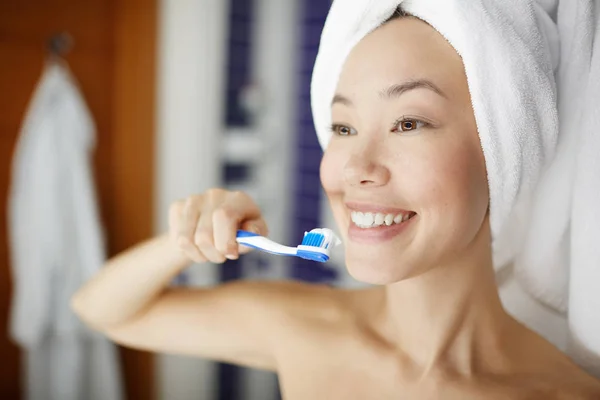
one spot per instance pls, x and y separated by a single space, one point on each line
231 257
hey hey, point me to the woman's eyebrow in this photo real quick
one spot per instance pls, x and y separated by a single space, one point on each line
396 91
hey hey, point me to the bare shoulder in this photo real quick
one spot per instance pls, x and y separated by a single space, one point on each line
554 374
543 377
572 382
302 301
319 317
312 309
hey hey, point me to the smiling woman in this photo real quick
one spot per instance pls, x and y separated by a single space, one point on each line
411 148
407 175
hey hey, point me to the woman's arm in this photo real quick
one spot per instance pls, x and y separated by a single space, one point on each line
129 299
129 283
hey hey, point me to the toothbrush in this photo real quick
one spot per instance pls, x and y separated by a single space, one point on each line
315 244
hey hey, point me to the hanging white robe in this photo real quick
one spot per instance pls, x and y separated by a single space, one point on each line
56 244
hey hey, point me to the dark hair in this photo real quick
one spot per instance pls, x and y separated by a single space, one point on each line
398 13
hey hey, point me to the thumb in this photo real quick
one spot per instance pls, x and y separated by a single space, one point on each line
258 226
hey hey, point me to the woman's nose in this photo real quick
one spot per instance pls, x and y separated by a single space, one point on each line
364 170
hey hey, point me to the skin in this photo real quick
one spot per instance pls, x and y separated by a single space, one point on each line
432 327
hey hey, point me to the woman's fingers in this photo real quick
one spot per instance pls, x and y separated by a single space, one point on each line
204 227
183 219
229 217
204 233
226 221
257 225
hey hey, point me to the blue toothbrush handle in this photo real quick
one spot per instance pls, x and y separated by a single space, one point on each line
242 234
256 241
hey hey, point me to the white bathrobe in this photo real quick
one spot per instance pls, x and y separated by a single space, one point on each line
56 244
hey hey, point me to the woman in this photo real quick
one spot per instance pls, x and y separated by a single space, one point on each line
432 328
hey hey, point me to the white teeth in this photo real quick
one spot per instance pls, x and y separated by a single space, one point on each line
357 217
389 219
368 219
371 220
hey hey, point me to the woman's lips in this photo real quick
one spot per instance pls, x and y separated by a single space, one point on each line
378 234
366 207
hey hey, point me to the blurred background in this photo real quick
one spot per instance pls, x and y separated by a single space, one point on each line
184 95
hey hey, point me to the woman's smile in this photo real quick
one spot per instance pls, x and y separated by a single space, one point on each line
370 223
380 233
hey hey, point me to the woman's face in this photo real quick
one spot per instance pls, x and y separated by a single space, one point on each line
404 171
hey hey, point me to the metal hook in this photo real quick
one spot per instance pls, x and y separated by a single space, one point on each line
60 44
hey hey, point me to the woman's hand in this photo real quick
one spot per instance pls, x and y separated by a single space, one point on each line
204 226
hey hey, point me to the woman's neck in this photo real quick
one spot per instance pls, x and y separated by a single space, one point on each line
451 315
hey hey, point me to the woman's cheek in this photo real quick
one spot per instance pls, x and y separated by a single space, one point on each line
438 179
331 171
457 188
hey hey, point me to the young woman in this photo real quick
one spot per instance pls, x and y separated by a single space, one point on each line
403 156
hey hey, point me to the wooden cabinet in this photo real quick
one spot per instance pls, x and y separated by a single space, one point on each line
114 61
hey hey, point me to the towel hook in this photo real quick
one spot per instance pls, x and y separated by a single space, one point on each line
60 44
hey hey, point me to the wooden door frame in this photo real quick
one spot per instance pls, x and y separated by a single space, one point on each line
133 137
124 52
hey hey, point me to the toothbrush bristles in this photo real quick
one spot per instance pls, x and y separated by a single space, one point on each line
313 239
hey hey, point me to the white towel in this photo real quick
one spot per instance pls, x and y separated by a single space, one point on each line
584 287
544 261
527 62
559 262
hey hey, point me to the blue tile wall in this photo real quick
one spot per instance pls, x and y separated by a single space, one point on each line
238 76
234 173
238 71
307 189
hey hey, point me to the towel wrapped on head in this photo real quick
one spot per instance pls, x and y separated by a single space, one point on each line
515 62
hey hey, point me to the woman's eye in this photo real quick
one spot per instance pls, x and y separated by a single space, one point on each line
407 125
342 130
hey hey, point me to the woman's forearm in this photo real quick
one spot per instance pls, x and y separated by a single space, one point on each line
129 283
